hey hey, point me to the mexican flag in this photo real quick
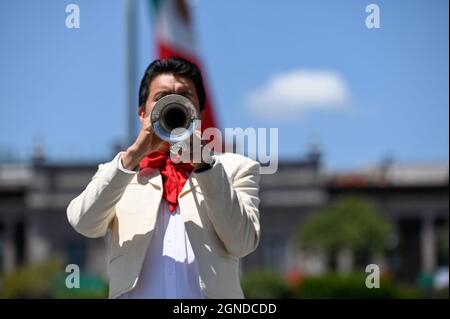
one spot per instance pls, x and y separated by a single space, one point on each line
175 37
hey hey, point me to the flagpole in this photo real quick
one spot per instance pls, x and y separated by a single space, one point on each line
131 56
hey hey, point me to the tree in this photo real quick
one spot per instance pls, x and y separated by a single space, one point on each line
350 225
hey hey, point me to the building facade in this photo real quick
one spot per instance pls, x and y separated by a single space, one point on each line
34 227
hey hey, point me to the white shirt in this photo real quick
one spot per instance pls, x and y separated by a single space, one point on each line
169 269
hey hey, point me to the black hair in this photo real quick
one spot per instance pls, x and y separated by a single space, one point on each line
176 66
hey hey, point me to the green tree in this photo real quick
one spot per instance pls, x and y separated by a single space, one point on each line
351 223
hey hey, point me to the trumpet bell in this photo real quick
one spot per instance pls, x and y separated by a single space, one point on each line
174 118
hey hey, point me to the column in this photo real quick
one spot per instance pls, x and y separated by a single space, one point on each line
428 243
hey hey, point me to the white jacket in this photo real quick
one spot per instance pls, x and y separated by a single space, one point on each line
219 207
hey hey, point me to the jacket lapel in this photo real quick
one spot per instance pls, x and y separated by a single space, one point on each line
190 185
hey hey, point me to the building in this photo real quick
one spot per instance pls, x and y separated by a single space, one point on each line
34 227
413 197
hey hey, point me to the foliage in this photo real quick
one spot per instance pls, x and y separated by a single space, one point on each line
343 287
91 287
264 284
32 281
47 280
268 284
351 223
442 293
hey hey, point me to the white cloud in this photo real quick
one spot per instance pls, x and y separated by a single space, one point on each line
299 91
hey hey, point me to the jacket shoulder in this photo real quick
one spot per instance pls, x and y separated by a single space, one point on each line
235 162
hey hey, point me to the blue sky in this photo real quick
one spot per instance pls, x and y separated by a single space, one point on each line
68 87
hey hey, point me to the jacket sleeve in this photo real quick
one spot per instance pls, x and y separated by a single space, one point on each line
232 205
91 212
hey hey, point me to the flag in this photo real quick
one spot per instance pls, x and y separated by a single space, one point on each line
175 37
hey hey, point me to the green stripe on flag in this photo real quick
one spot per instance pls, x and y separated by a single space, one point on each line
155 4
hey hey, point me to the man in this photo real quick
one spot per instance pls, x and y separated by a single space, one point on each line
177 230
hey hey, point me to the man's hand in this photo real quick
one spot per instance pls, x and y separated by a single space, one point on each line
146 142
200 154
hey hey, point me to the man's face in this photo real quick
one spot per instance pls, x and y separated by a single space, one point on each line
165 84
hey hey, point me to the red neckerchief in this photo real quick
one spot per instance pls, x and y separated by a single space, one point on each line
174 175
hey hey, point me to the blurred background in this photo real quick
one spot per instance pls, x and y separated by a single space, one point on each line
362 118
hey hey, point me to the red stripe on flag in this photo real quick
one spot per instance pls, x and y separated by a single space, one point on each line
165 51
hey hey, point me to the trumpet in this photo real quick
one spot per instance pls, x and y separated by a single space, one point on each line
174 119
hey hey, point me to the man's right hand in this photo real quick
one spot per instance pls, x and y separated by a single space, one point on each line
146 142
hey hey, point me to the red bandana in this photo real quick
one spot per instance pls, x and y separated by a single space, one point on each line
174 175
